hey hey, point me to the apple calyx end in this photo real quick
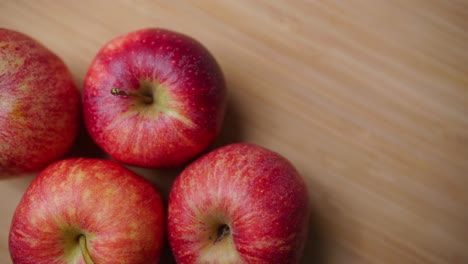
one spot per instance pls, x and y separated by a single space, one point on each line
147 99
84 250
223 231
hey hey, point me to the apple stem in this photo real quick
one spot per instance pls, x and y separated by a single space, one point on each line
146 99
84 249
223 231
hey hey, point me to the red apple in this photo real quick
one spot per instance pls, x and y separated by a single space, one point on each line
238 204
87 211
154 98
39 105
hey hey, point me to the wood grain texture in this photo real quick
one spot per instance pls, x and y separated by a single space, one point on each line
369 99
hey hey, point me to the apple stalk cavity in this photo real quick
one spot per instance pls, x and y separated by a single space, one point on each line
223 231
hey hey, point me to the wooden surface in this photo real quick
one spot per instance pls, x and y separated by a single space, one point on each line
369 99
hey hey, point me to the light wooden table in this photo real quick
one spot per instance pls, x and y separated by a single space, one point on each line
368 98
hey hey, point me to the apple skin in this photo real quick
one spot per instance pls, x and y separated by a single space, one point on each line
181 79
254 193
39 105
120 213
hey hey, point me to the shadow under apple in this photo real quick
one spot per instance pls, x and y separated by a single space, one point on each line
231 129
316 247
84 145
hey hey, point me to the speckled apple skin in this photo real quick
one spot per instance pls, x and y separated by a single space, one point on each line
160 135
121 214
39 105
255 191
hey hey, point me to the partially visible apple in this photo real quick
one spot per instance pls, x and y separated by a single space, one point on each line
238 204
87 211
154 98
39 105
